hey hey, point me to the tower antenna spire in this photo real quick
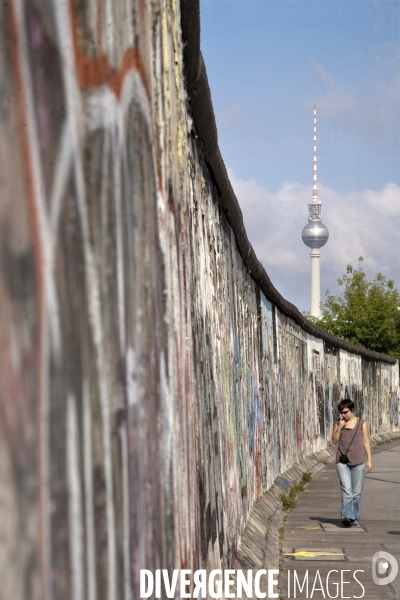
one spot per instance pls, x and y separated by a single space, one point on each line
315 233
315 188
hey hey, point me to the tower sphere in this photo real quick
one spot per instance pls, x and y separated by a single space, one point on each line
315 234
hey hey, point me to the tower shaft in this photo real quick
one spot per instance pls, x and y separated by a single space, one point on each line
315 283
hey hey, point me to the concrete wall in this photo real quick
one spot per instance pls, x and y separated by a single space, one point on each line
150 391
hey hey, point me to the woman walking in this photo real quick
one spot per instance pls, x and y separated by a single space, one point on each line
352 434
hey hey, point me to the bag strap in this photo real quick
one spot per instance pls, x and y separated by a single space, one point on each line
358 424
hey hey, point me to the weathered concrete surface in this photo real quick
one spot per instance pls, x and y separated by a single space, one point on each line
319 505
150 391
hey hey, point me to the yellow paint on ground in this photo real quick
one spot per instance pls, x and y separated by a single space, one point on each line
311 553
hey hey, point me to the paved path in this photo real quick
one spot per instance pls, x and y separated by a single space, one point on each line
319 506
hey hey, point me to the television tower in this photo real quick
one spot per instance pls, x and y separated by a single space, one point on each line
315 234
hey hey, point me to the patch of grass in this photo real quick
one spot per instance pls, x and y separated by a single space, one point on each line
282 532
326 463
289 500
393 439
306 477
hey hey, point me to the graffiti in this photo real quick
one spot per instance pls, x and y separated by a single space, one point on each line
150 391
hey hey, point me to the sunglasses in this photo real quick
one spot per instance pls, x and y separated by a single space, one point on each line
344 412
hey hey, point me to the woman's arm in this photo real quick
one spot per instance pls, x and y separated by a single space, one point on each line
336 431
367 447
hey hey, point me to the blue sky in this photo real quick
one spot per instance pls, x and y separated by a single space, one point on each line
268 62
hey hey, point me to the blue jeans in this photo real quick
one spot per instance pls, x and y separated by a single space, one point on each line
351 484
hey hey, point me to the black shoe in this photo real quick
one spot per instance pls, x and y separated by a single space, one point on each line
346 522
353 523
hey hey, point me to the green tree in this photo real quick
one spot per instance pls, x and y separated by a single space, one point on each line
367 313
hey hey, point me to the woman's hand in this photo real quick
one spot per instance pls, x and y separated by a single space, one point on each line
369 466
337 429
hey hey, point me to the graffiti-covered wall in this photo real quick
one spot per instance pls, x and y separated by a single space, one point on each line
151 388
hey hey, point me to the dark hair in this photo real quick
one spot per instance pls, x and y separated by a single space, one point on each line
346 403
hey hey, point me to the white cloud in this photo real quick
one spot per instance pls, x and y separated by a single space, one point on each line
233 114
371 105
337 103
378 24
387 201
364 223
387 54
323 74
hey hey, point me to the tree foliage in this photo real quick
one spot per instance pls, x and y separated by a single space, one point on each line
367 313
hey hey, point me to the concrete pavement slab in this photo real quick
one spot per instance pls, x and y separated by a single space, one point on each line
336 528
319 506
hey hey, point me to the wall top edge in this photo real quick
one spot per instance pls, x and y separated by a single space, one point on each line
201 107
